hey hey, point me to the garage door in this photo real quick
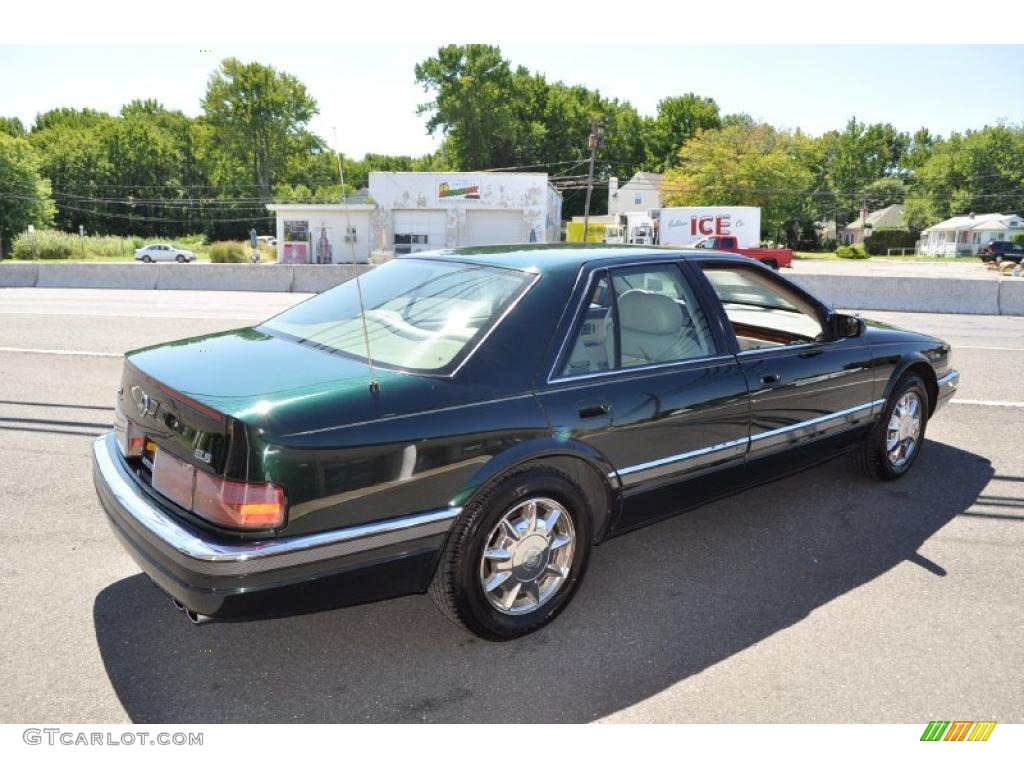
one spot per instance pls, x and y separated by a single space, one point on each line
419 231
494 227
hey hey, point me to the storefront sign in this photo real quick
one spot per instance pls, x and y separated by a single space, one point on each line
458 190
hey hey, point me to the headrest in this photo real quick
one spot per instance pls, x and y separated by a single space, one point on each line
649 312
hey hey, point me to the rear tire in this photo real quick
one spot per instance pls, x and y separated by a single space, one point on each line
773 264
501 576
894 442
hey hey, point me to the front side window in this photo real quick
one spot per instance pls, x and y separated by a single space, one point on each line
763 313
421 315
638 316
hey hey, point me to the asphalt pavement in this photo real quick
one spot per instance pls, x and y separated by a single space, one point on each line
823 597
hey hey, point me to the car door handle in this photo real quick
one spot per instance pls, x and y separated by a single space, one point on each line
771 378
593 411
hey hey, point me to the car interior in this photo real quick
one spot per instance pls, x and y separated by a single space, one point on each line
763 314
658 319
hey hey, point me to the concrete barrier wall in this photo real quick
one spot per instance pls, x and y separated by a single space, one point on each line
1011 297
896 294
304 278
223 277
905 294
99 275
314 278
23 274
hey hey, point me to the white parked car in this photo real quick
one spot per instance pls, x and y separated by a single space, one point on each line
267 240
163 252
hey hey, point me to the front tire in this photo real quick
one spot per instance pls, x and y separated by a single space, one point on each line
181 259
516 556
893 444
147 259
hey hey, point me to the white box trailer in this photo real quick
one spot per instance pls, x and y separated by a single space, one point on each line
685 226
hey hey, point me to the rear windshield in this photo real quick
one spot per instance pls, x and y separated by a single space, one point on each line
421 315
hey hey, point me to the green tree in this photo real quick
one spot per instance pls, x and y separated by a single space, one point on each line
922 144
24 193
884 192
12 126
257 118
861 154
677 121
980 171
495 117
471 105
71 146
744 165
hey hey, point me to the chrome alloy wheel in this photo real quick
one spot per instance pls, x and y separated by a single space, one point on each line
528 556
904 430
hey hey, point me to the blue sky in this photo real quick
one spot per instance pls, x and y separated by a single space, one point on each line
368 91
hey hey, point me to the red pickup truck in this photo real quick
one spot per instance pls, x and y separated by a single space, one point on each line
776 258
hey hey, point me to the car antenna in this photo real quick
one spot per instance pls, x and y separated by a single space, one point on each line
374 386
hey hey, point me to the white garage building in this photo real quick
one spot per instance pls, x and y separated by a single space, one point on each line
410 212
324 234
425 211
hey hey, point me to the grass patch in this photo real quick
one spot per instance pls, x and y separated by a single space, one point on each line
49 244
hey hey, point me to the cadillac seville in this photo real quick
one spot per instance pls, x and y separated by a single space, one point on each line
471 423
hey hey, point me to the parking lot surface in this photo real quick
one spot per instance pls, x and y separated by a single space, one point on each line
823 597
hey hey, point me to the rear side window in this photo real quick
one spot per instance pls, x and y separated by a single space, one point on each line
638 316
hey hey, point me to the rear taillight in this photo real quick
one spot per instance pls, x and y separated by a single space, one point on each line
228 503
238 505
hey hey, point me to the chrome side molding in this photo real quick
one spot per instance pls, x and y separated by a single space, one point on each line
712 454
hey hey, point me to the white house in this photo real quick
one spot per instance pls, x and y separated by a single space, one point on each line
642 193
425 211
966 235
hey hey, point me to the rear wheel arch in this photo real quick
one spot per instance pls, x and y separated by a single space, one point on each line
590 473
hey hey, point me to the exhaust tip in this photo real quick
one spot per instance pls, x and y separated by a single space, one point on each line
197 618
177 604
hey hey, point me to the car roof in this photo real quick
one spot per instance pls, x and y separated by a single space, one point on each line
566 257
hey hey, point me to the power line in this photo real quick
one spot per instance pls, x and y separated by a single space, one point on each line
140 217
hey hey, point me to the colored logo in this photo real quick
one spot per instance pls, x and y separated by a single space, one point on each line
470 193
958 730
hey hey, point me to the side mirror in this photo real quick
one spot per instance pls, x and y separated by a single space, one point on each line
845 326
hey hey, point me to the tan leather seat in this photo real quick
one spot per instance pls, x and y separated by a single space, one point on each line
654 329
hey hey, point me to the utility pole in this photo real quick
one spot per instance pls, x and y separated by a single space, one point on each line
593 142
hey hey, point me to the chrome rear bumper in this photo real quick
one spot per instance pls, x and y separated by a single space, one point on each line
201 569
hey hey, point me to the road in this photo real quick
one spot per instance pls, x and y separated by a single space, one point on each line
819 598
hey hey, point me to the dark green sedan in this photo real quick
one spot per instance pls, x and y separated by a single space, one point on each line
472 422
